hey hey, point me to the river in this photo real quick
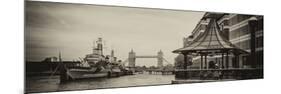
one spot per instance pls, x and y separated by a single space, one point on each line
47 84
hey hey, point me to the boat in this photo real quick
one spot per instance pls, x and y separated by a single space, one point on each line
95 65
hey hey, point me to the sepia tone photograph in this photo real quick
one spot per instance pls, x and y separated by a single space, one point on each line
71 46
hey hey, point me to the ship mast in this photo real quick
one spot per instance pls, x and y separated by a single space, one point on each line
60 60
100 46
94 47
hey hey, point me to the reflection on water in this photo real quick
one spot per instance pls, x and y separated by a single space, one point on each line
45 83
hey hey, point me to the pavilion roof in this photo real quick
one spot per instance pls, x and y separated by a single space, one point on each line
210 40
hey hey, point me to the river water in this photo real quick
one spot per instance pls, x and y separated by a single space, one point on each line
47 84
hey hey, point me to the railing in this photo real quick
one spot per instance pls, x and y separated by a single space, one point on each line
233 73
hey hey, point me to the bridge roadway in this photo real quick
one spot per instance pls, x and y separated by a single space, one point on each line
146 56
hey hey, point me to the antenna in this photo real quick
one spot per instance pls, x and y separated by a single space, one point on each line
60 57
94 46
104 45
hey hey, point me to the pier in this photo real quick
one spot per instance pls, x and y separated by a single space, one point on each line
35 68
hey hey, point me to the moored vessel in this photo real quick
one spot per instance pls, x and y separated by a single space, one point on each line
94 65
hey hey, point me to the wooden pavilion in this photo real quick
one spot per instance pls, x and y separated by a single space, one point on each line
211 43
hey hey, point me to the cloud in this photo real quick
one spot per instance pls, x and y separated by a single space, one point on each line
72 28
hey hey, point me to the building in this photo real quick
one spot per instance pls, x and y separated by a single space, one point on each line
236 29
241 36
197 31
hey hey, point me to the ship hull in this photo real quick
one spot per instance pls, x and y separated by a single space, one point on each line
85 73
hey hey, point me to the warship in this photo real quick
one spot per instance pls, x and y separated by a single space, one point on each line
95 65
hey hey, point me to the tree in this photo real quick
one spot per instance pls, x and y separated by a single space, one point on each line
179 61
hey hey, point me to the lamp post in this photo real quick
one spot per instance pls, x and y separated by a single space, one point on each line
253 28
185 65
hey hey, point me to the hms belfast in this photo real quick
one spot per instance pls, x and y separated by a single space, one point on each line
94 65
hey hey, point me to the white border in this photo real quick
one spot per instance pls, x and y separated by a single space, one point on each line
12 46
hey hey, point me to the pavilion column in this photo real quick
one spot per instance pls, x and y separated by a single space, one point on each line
230 62
240 61
219 61
185 65
206 65
216 61
185 61
201 63
237 61
222 60
227 60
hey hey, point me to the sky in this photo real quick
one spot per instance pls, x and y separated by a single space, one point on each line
71 29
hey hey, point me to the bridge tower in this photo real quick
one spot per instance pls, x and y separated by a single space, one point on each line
132 59
160 59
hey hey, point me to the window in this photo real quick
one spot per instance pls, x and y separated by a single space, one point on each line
238 18
239 32
225 22
244 44
226 33
260 24
259 42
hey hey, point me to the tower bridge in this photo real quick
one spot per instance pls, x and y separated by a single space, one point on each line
132 58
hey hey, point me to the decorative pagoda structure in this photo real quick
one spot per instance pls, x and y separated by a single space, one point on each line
211 43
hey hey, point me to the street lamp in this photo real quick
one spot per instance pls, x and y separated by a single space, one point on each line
253 22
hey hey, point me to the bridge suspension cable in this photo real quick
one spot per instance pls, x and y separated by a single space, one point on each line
125 62
166 61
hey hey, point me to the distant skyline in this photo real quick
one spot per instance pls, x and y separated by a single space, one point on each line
72 29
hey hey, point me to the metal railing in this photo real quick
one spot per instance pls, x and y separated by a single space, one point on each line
231 73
